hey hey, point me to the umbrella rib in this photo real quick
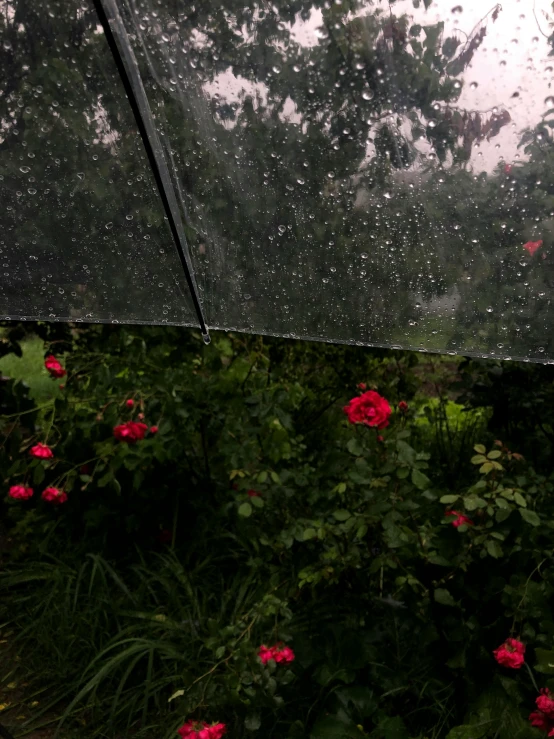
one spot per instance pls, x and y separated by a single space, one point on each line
127 67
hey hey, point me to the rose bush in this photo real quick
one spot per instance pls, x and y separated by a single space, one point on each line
260 513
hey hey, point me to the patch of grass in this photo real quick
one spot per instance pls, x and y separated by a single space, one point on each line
30 369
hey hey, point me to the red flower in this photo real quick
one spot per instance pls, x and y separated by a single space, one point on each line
370 409
532 246
403 406
41 451
253 494
380 438
129 403
460 519
201 730
54 496
131 431
511 654
545 703
362 386
54 367
278 653
20 492
539 720
507 169
154 429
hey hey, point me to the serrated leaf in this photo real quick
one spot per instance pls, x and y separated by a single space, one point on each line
486 468
443 596
530 517
245 510
421 481
342 514
478 459
493 548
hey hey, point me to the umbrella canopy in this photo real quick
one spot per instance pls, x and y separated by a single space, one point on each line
347 171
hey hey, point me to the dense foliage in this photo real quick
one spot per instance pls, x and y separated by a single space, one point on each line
224 546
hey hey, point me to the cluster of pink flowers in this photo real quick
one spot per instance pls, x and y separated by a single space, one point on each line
278 653
532 246
201 730
512 654
54 367
50 495
543 719
369 408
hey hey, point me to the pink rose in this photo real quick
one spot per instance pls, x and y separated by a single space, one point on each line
532 246
278 653
54 367
545 703
130 432
460 519
41 451
20 492
54 496
510 654
370 408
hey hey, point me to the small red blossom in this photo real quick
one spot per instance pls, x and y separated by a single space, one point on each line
511 654
140 416
253 494
54 367
278 653
130 432
545 703
154 429
129 402
403 406
539 721
370 408
460 519
532 246
54 496
20 492
41 451
507 169
362 386
380 438
201 730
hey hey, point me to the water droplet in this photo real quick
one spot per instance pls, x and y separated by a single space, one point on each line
296 68
363 255
368 94
387 195
281 229
25 169
549 100
80 175
474 85
109 225
489 309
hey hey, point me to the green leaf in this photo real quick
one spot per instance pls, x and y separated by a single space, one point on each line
257 502
253 722
275 477
444 597
494 548
478 459
421 481
245 510
262 477
309 534
480 449
354 447
486 468
342 514
545 661
495 454
530 517
449 498
520 500
471 502
469 731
